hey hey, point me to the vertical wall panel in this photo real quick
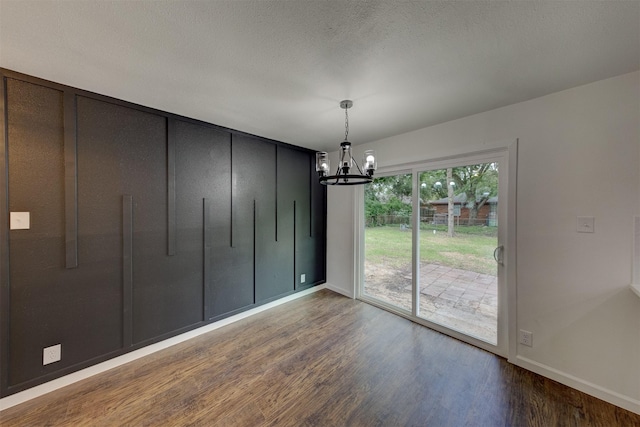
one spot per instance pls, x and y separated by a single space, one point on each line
256 180
36 170
248 182
298 183
49 303
203 171
316 259
274 258
288 197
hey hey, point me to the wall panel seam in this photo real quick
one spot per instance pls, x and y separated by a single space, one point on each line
206 273
309 175
70 178
231 189
171 187
127 269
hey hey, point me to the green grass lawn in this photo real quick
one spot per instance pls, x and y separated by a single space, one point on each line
470 249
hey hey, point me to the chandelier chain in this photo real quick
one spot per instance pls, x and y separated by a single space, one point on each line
346 124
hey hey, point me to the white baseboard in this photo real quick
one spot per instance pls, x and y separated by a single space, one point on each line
338 290
602 393
32 393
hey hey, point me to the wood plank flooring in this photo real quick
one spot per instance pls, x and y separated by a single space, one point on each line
322 360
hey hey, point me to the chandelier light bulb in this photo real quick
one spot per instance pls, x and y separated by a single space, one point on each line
369 164
322 163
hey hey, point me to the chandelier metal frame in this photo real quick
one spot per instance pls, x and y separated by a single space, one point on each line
343 175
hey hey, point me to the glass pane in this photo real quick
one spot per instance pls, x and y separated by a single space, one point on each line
458 234
387 235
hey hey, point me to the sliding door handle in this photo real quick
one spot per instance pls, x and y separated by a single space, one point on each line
498 255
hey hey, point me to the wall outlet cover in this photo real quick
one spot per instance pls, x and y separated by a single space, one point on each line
303 278
52 354
526 338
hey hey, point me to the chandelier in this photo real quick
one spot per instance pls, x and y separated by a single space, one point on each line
343 175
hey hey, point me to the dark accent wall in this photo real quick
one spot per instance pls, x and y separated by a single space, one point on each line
144 225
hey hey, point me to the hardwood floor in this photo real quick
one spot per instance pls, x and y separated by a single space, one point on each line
322 360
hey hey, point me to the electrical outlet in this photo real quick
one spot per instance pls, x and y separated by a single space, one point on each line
52 354
303 278
526 338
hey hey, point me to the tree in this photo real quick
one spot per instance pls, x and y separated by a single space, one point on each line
479 182
391 195
388 196
431 187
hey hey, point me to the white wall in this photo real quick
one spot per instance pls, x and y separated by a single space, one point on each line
340 240
579 154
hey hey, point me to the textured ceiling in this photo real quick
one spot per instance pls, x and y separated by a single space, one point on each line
279 68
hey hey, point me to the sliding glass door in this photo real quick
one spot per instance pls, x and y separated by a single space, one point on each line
458 236
433 246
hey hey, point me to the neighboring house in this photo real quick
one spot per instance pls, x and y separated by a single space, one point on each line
437 211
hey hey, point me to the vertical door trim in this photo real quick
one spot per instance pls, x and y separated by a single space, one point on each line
510 256
415 242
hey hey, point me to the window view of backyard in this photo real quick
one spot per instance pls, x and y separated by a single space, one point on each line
457 238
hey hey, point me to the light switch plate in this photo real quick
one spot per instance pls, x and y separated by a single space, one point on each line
19 221
586 224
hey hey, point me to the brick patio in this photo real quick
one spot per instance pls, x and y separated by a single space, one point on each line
458 299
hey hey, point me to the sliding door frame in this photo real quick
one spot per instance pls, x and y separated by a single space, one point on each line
506 154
